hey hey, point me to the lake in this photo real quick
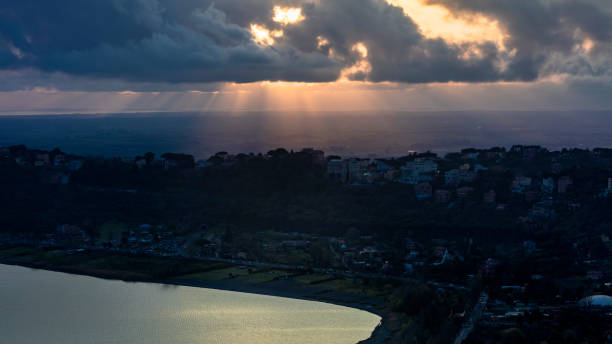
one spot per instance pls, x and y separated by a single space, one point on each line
347 134
38 306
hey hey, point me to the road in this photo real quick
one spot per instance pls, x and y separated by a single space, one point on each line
339 257
468 326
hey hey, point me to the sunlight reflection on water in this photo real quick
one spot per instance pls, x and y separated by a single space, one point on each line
50 307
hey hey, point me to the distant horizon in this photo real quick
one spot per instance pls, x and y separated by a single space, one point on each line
371 157
360 112
346 133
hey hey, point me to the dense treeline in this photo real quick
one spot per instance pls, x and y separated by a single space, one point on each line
285 191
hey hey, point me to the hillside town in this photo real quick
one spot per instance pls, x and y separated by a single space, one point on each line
527 228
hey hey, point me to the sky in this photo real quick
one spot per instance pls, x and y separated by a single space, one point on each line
309 55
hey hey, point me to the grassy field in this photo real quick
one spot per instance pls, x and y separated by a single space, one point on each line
216 274
127 267
112 231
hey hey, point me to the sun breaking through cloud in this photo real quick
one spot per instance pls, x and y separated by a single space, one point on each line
361 68
287 15
436 21
170 46
263 35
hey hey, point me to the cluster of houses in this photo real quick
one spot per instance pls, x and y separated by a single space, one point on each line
145 239
439 179
511 307
445 180
423 168
439 253
608 191
516 298
57 165
36 158
363 255
211 244
69 233
366 256
148 239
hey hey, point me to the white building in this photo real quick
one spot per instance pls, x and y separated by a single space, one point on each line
409 176
520 184
455 176
357 169
480 167
422 165
597 301
548 185
75 165
452 177
382 166
418 171
338 170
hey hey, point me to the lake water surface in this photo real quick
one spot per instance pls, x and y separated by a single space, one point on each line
39 306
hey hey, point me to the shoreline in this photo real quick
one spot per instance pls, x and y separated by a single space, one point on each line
282 288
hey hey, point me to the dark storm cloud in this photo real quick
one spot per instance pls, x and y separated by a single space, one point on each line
396 49
189 41
546 23
7 56
546 33
31 79
140 41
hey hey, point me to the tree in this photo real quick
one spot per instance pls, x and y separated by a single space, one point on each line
352 235
228 237
149 157
183 160
512 336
